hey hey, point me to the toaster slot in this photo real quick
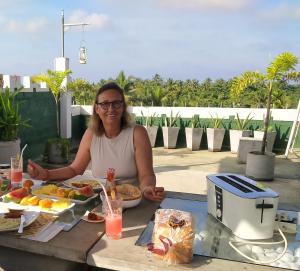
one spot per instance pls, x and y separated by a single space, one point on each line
234 184
250 185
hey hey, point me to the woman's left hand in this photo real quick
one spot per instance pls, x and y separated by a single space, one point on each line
154 193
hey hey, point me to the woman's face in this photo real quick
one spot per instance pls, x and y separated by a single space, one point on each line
110 107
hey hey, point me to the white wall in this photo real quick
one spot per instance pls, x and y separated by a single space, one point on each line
16 81
203 112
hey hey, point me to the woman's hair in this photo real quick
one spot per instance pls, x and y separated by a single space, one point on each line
95 123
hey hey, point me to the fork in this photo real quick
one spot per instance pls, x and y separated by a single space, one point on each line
20 230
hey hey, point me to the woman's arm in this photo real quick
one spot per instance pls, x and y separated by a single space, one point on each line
77 167
144 164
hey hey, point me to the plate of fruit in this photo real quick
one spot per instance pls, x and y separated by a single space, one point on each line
79 196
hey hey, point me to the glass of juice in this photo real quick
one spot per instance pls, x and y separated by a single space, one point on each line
16 171
113 220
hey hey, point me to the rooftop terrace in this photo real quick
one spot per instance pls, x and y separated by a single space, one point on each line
182 170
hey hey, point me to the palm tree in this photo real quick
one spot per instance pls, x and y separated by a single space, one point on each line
54 81
282 69
124 83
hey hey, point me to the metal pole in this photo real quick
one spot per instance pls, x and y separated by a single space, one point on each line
63 33
293 132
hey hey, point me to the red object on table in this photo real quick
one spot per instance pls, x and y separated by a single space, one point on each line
110 174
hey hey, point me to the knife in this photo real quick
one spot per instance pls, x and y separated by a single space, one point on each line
20 230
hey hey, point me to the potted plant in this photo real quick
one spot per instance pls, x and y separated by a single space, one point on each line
271 136
10 123
150 127
57 149
194 133
261 164
170 131
215 135
240 131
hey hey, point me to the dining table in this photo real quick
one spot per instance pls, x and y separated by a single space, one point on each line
84 245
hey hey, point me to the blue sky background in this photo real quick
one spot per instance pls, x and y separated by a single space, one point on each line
179 39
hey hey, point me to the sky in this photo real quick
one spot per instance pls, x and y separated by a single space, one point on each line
178 39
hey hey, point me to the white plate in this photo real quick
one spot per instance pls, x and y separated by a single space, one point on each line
13 205
30 217
103 179
85 217
43 196
83 178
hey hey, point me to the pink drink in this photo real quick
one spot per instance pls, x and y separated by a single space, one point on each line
113 226
16 175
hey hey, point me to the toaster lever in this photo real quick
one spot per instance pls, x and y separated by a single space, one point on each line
264 206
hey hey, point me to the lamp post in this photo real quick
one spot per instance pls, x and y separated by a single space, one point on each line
62 64
82 53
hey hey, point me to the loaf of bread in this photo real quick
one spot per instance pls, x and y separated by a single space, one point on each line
173 236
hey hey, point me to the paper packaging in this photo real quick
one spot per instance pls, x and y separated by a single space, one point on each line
173 236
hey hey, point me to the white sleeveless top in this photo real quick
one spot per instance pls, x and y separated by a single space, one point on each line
117 153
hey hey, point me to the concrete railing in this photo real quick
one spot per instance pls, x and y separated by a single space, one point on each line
203 112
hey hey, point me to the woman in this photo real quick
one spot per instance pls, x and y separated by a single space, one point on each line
110 142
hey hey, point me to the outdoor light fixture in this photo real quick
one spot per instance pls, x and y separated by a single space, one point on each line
82 49
82 55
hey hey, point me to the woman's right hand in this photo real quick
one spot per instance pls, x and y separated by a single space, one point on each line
36 171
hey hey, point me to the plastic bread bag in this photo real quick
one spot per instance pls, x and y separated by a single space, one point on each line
173 236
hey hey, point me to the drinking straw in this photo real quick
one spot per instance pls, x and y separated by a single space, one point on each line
107 199
21 156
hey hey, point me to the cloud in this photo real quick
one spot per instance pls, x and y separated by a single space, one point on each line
281 12
30 26
94 19
222 5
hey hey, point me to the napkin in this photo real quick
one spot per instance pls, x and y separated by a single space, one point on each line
47 233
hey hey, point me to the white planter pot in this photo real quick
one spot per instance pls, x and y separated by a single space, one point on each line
152 132
235 136
260 167
170 135
271 136
215 138
193 138
9 149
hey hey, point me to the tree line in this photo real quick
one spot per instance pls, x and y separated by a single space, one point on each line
168 92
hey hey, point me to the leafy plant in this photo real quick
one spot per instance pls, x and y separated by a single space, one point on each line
149 120
279 71
10 118
54 81
194 122
241 124
216 122
82 91
171 121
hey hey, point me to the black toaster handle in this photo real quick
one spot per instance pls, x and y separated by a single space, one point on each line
264 206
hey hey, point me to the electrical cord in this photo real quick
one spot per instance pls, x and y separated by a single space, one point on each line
261 243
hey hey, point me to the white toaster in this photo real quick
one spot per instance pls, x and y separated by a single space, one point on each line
247 209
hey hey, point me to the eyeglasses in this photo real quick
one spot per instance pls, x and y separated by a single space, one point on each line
115 104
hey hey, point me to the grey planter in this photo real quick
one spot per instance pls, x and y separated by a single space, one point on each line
193 138
215 138
9 149
235 136
170 135
58 153
152 132
271 136
260 167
